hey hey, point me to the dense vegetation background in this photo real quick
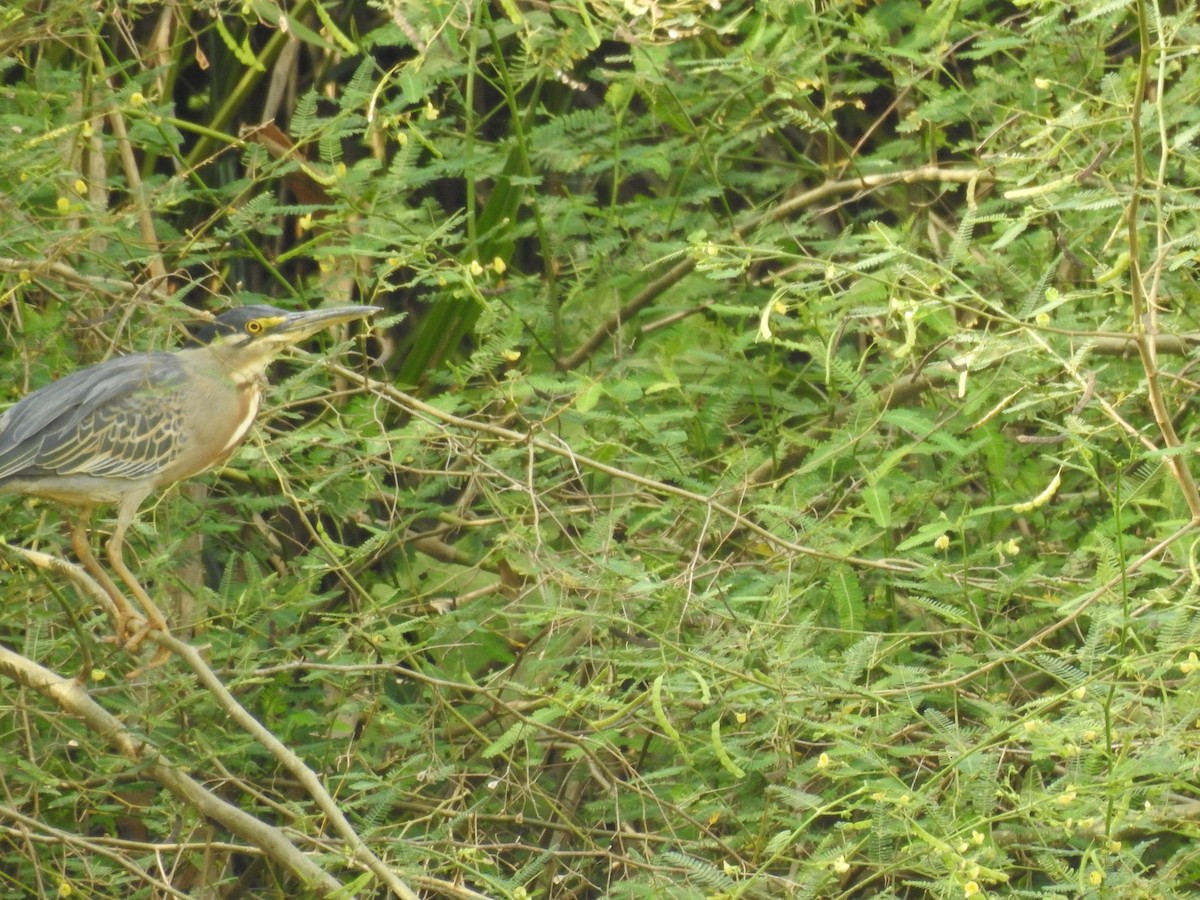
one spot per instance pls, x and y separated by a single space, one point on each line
772 476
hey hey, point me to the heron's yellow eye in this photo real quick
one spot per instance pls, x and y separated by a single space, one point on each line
254 326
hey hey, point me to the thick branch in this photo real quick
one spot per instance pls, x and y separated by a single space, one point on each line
70 696
289 760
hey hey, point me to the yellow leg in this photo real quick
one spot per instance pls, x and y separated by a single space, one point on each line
155 620
81 543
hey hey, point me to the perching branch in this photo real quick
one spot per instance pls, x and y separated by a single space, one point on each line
81 703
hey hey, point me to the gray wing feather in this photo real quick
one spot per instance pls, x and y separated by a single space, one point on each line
115 419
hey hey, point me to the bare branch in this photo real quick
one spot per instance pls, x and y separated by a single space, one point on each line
71 697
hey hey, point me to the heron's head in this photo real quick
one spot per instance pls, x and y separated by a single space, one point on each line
249 337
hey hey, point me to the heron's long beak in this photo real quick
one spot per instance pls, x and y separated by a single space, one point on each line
298 325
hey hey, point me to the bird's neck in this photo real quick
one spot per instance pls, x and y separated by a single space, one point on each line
242 368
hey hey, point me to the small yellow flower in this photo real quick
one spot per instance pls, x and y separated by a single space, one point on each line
840 865
942 543
1041 83
62 204
1079 693
823 761
511 355
431 111
971 889
740 718
137 98
80 186
977 838
475 268
1192 664
1096 878
1042 319
498 266
1012 548
1067 798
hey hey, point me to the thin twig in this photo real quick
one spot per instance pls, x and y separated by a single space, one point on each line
72 277
802 201
1143 304
43 832
412 404
1029 643
133 181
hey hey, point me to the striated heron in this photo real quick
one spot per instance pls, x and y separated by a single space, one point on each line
118 431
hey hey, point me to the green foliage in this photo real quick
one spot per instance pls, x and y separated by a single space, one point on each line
775 505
